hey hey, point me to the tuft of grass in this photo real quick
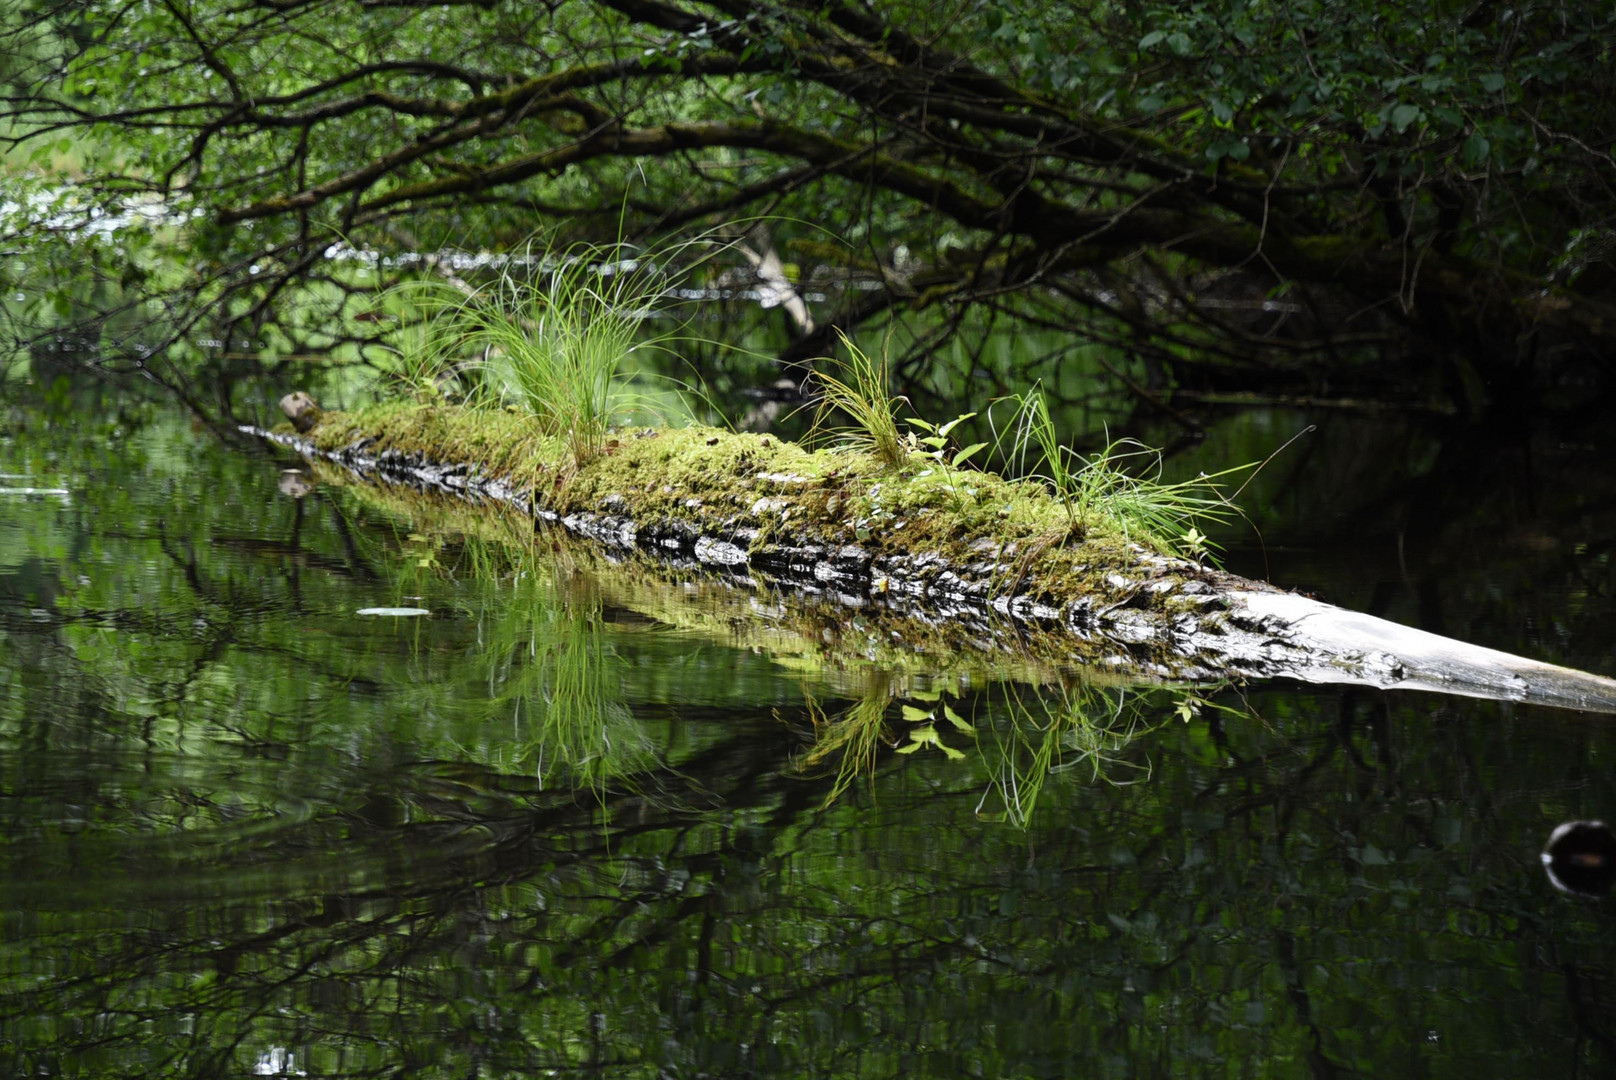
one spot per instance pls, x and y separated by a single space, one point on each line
1119 487
555 343
862 392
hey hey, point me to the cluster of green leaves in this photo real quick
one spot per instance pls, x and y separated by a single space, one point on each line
1447 76
1045 143
1407 95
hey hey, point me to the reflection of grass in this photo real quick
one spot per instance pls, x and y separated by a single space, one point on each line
1023 736
1082 728
855 736
553 669
548 664
580 720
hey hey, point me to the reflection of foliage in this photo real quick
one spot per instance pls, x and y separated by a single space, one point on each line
1024 734
545 656
855 736
571 695
1079 728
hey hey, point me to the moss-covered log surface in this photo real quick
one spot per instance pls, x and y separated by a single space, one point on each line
938 559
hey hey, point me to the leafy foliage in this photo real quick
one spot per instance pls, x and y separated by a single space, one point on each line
1221 192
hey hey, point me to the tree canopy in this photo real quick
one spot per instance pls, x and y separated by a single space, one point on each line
1226 192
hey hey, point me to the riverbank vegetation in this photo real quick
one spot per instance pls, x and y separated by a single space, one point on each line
1408 201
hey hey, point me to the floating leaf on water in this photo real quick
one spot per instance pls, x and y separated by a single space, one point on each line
400 612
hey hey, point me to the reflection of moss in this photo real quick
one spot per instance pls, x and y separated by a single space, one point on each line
808 632
915 686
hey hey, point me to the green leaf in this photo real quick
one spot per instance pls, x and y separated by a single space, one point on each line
946 428
1228 146
955 719
1492 82
1152 39
1404 115
1476 149
914 715
953 754
911 748
968 453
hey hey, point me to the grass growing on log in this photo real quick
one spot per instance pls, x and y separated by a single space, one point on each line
1074 528
1120 485
721 482
554 344
557 346
862 391
1119 488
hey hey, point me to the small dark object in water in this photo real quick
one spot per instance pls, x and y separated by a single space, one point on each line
302 410
1580 858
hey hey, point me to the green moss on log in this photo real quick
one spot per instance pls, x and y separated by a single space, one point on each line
1015 538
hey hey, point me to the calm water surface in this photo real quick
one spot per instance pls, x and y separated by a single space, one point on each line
547 830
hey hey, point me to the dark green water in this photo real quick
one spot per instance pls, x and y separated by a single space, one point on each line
247 831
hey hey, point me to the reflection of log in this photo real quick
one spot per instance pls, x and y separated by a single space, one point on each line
1126 610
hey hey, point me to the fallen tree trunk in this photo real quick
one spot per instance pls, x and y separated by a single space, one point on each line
753 511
